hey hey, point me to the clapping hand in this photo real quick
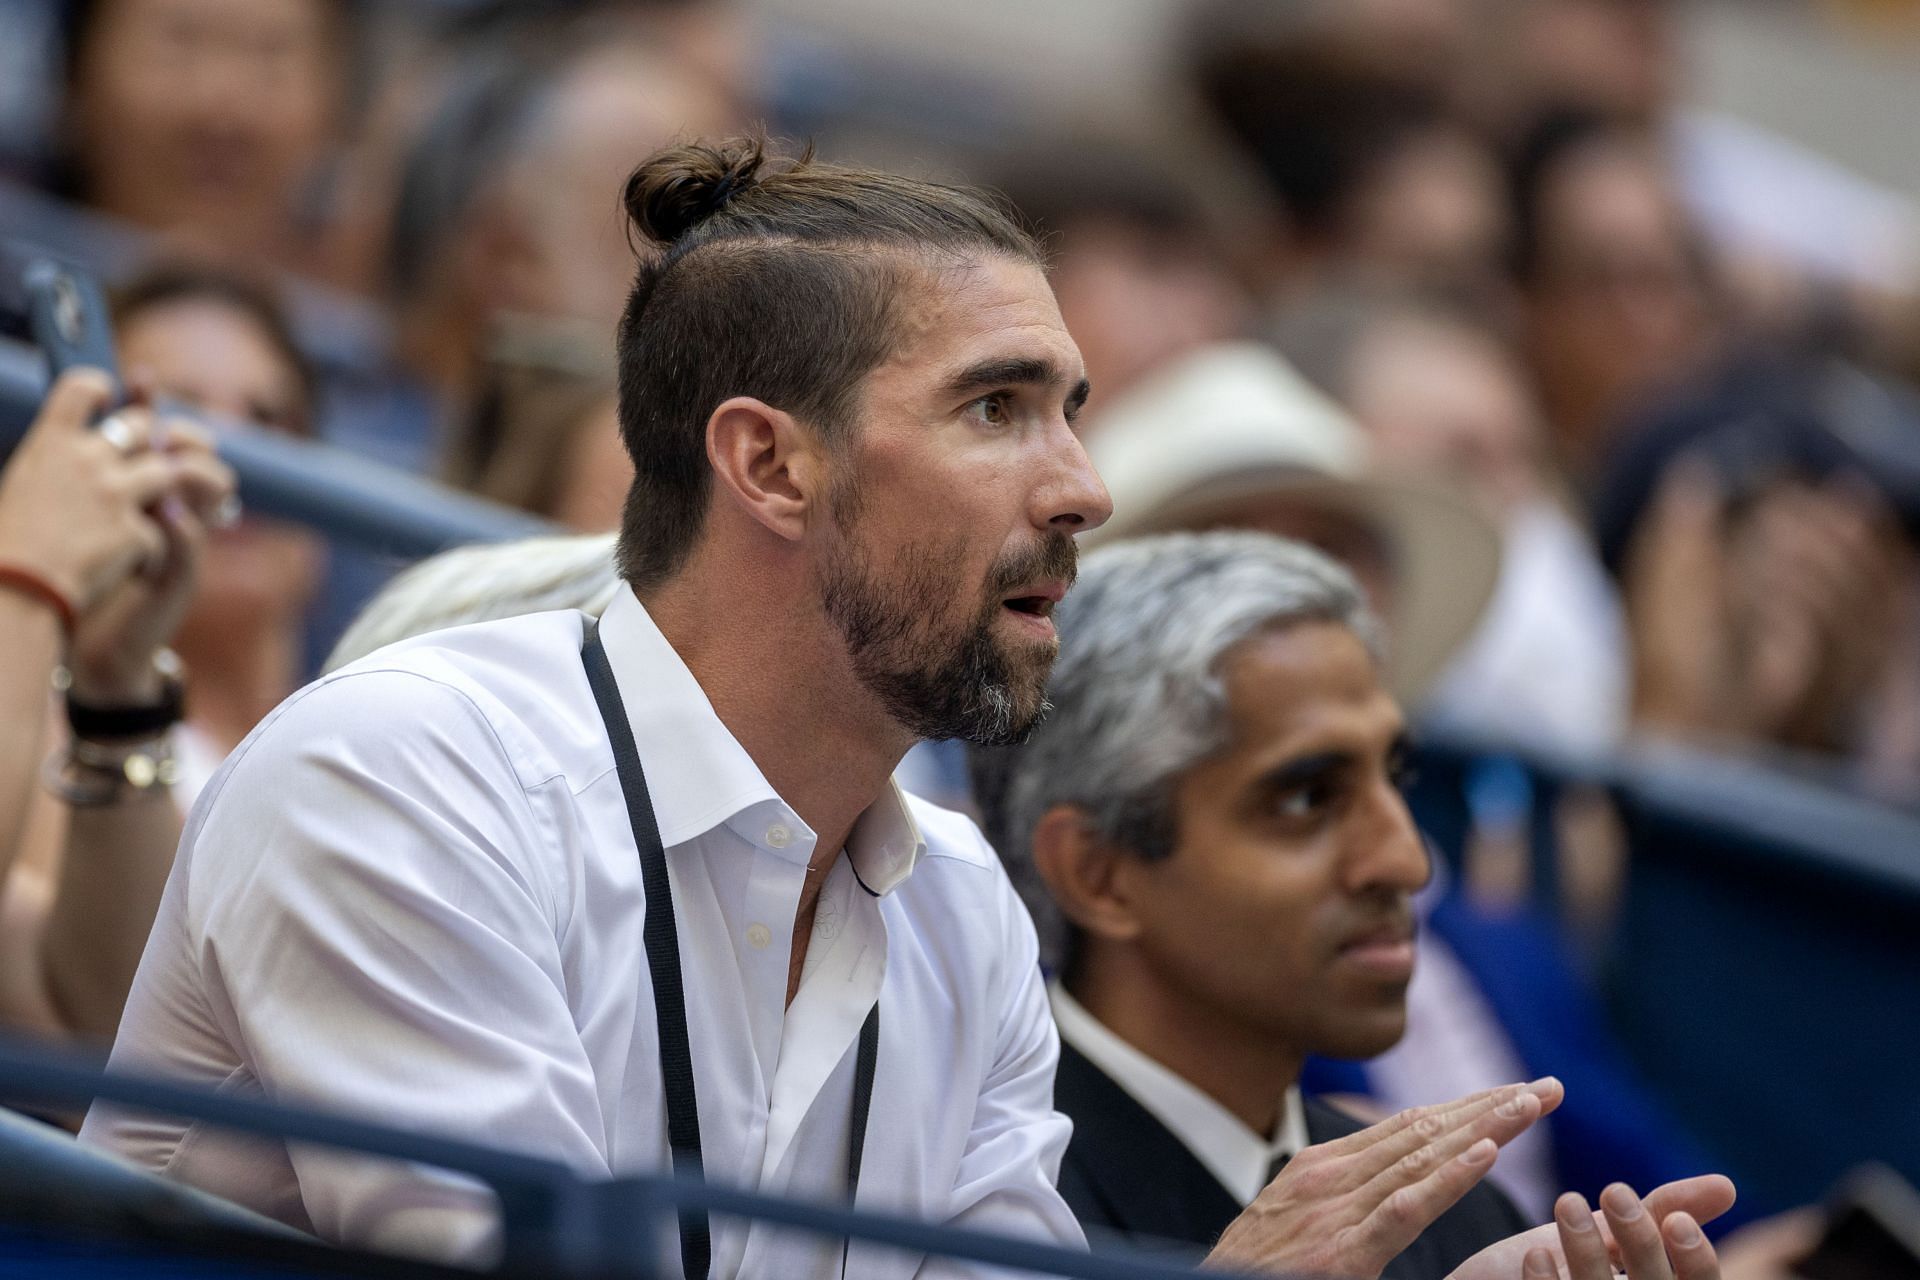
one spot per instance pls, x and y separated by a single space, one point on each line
1656 1238
1346 1208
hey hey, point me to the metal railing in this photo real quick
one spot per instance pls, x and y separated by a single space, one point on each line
555 1223
341 495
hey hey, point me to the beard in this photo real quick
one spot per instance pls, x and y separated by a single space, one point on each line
943 680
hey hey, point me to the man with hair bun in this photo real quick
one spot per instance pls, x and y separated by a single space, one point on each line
598 889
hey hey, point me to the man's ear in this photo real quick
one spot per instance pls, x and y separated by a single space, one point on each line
1081 872
766 463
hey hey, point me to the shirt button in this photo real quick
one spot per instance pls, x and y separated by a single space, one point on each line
778 836
759 936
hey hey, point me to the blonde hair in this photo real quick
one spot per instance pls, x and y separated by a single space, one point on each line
480 584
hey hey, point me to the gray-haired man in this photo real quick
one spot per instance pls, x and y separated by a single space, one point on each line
1209 830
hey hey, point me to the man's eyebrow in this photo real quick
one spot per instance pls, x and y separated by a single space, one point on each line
991 375
1292 774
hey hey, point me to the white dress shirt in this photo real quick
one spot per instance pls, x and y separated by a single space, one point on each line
413 895
1239 1159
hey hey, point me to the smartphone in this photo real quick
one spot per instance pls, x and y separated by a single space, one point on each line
1873 1230
68 315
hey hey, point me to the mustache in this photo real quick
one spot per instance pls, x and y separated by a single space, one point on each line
1056 555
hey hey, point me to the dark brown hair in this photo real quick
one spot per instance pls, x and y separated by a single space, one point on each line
168 281
777 279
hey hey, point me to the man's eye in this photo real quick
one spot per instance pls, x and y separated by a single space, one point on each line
1302 802
994 409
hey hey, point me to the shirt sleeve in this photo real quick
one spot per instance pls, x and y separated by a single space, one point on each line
372 912
1006 1182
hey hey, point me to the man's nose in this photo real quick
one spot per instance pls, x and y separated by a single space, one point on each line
1074 499
1388 851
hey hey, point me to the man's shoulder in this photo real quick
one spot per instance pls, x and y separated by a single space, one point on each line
516 681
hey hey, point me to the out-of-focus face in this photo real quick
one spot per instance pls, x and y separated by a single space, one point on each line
205 117
1448 402
1615 57
214 358
1285 908
1617 304
1135 299
616 103
950 534
1432 213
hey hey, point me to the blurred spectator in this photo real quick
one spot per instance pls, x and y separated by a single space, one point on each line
101 536
1441 395
1799 238
545 437
1763 525
508 201
1619 304
1138 268
219 344
1232 437
212 121
1374 174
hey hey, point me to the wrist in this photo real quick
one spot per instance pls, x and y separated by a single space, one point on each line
126 705
113 686
19 580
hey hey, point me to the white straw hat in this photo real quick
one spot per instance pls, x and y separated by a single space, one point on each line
1194 445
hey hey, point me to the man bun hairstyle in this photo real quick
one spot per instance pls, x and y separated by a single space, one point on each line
772 277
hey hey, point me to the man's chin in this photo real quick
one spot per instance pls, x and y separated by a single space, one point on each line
1364 1035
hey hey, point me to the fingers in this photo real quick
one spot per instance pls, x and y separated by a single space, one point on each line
1703 1198
1539 1266
1692 1256
1581 1243
149 478
1636 1233
1501 1115
1402 1121
78 396
1412 1208
202 481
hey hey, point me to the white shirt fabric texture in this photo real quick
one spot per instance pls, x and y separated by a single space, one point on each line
1238 1158
413 895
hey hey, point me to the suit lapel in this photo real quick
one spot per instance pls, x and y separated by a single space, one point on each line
1143 1178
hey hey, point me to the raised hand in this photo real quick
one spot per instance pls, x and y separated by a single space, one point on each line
1656 1238
1346 1208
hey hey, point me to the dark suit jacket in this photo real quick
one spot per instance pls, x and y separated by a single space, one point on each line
1126 1175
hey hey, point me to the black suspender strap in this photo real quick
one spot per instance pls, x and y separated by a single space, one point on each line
662 938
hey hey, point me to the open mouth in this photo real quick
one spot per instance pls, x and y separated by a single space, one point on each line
1032 606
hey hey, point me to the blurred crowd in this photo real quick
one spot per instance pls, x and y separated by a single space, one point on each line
1603 399
1660 353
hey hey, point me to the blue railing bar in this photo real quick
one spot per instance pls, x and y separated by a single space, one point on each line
539 1198
599 1223
1787 816
920 1237
343 496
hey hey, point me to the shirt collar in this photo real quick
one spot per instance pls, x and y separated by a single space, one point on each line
700 777
1239 1158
